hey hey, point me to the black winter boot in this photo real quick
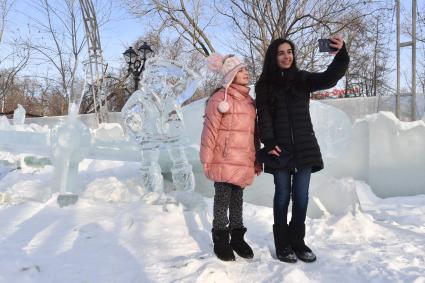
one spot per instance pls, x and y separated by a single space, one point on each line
282 243
297 234
222 248
238 243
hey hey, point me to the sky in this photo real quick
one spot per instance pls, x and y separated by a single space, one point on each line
116 35
123 29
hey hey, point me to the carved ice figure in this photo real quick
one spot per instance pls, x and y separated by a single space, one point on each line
4 123
154 121
70 142
19 115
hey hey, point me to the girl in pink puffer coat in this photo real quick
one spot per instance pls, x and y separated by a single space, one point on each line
228 146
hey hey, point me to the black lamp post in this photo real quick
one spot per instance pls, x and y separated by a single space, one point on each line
136 61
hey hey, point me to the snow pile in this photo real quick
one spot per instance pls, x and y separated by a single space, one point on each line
109 236
332 196
21 185
112 190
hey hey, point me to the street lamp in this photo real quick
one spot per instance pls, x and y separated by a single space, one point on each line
136 61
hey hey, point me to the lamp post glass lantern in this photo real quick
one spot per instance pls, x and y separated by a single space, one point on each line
144 50
130 56
136 61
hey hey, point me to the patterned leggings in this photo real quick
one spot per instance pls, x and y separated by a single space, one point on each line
227 197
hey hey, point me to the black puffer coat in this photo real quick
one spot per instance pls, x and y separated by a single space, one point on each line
284 115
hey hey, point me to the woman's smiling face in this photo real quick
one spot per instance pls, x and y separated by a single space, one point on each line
284 56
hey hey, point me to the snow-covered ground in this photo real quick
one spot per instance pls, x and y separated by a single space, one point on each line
117 232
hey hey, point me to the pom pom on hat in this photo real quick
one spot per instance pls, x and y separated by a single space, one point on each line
215 62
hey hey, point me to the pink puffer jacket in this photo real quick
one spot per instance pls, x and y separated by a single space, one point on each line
228 144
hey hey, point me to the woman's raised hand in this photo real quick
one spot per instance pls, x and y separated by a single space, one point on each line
336 42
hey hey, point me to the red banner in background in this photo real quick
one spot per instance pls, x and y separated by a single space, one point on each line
336 93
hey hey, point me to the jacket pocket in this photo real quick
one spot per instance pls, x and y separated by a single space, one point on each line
225 148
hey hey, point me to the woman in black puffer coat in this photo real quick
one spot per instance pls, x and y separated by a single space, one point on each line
285 128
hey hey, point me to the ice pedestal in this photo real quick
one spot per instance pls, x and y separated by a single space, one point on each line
67 199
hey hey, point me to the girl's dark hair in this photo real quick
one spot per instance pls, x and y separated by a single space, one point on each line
271 70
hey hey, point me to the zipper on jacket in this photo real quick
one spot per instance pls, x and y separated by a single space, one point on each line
291 128
293 145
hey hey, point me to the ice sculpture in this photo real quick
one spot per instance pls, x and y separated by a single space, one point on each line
19 115
153 119
4 123
70 143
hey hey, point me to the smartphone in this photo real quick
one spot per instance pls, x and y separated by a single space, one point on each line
324 45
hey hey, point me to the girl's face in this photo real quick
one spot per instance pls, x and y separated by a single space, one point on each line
242 77
284 56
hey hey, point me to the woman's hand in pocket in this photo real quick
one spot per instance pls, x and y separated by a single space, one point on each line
276 151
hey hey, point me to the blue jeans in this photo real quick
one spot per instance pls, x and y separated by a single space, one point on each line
287 185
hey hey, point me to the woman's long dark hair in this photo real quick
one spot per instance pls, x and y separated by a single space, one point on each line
272 73
271 70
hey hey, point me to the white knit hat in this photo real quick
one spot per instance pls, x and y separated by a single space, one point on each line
227 66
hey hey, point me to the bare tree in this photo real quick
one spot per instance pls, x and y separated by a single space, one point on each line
7 75
187 18
19 59
61 41
38 97
14 57
367 43
5 7
257 23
